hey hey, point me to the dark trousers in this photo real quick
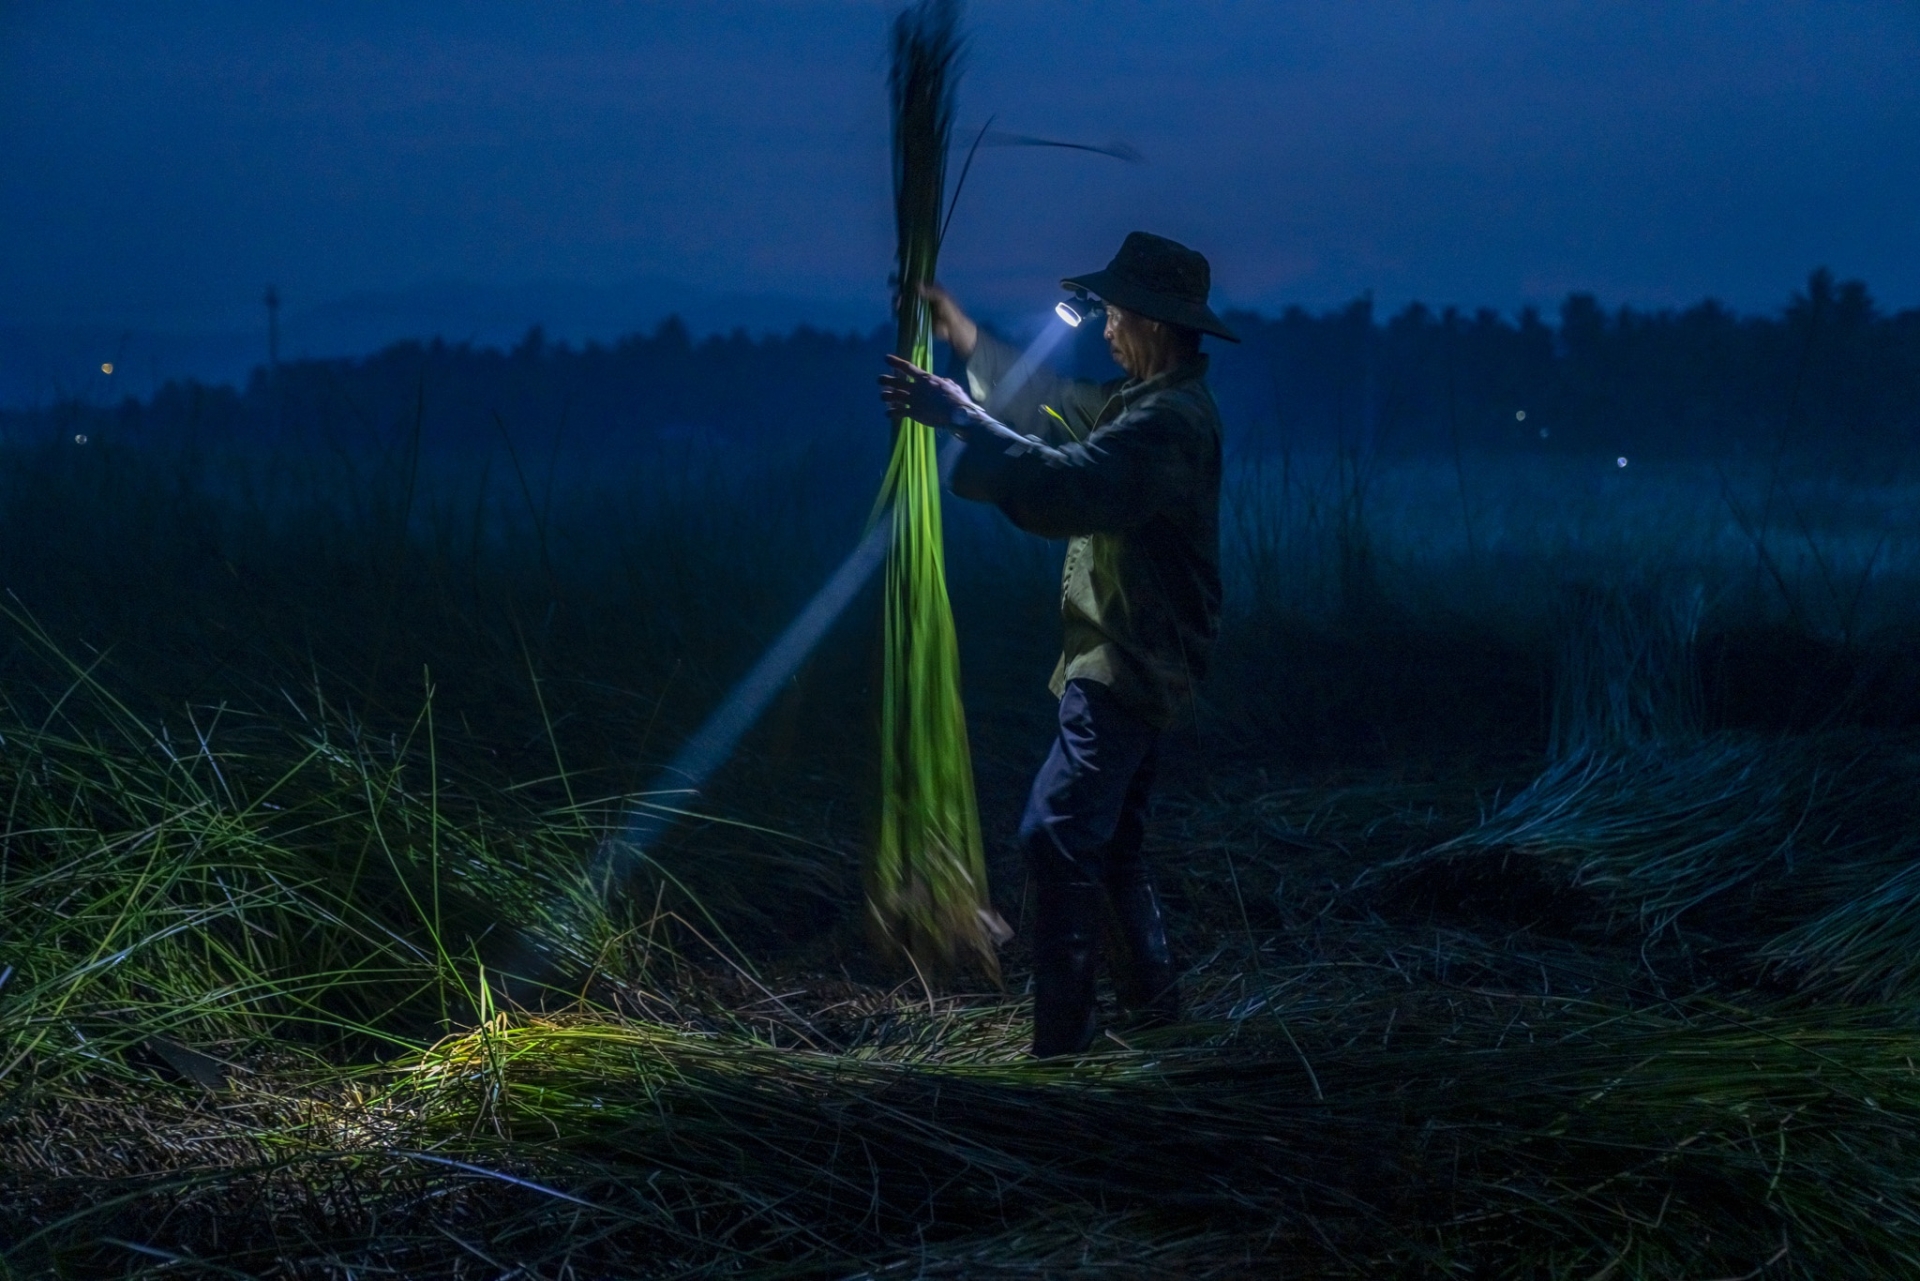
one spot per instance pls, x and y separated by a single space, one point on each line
1085 821
1087 812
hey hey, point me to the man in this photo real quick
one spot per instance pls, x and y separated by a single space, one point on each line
1129 473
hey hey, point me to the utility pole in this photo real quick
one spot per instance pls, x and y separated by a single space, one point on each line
273 328
273 359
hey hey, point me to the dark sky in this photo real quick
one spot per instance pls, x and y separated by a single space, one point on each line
162 161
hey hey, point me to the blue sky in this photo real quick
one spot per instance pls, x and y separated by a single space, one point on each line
165 160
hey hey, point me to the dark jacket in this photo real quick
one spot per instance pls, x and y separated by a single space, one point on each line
1129 473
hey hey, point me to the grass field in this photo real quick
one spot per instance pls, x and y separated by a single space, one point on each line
1541 867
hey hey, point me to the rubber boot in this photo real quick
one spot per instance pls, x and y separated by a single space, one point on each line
1065 952
1148 987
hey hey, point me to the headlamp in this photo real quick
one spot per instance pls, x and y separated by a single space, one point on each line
1078 309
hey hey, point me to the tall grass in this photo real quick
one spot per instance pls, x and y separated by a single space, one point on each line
224 880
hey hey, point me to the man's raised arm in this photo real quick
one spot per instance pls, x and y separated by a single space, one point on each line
988 362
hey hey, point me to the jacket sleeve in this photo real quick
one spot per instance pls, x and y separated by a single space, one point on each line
1077 402
1118 478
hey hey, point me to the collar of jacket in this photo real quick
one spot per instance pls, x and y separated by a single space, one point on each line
1185 371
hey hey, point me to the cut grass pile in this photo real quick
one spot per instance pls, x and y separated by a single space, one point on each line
1509 1139
1793 859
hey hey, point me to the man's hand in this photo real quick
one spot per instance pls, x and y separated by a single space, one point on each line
950 324
911 392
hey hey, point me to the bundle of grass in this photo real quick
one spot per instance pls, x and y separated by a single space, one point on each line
1627 675
1867 944
926 884
1792 855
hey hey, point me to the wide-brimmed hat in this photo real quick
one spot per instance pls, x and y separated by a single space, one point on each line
1160 279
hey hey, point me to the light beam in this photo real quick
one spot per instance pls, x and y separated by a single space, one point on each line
713 743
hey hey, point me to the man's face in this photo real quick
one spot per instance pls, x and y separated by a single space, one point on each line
1127 340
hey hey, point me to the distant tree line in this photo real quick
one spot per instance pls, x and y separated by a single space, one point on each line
1831 377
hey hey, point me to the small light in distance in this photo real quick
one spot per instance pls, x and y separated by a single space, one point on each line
1543 433
107 368
1519 415
1620 462
80 439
